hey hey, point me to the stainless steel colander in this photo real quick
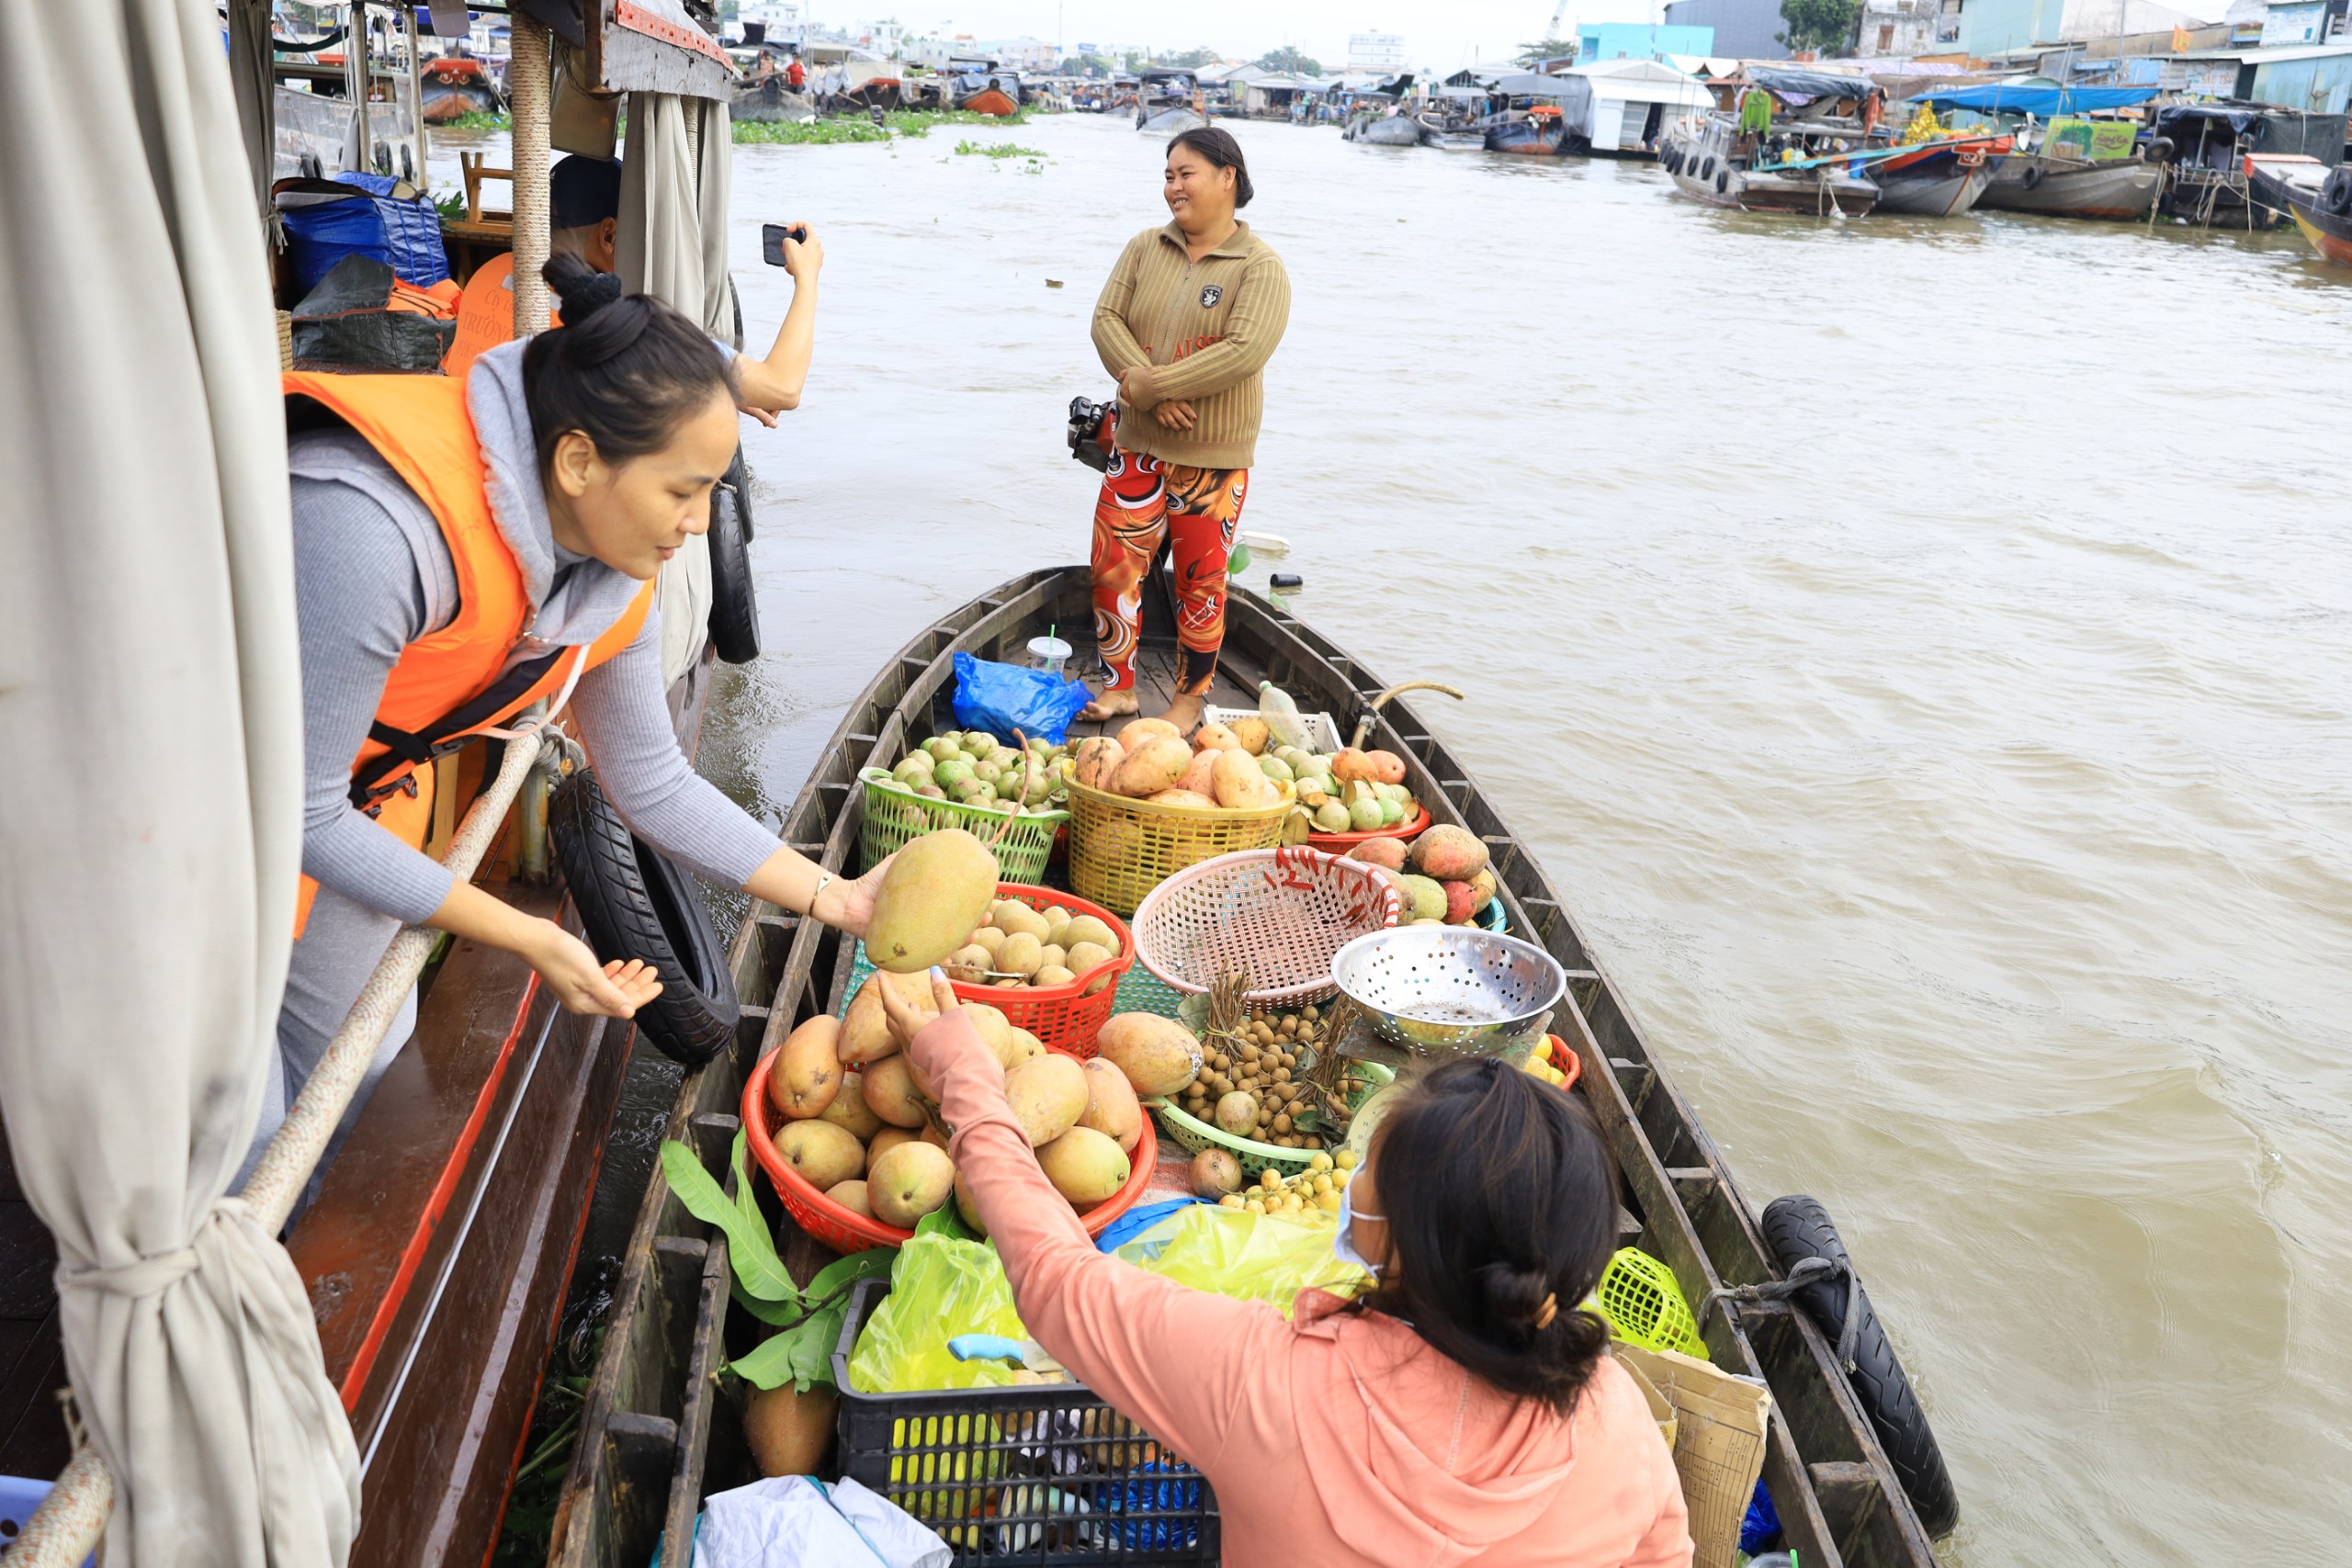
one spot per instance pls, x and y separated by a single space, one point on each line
1447 988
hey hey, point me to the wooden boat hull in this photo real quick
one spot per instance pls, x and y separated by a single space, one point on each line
771 101
660 1429
2069 187
989 101
1529 141
2297 191
1942 192
1168 121
1393 131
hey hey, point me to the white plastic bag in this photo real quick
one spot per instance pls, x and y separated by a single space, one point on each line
796 1521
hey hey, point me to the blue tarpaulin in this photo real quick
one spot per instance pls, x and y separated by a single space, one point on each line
2003 98
359 214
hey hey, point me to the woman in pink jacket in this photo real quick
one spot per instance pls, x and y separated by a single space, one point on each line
1464 1411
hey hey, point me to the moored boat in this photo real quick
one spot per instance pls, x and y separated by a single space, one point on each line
1703 154
661 1428
2318 198
988 92
1386 130
2061 187
454 85
1942 178
1535 133
1450 134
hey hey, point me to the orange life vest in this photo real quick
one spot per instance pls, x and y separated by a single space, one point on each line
451 685
485 315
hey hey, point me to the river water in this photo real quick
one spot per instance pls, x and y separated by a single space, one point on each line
1920 651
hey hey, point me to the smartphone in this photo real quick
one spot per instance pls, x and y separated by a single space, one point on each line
774 235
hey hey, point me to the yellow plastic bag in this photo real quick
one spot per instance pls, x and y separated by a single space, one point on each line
940 1287
1253 1258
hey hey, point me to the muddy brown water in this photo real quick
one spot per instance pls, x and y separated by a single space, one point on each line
1920 651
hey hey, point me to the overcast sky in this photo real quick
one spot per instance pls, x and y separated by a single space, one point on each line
1452 33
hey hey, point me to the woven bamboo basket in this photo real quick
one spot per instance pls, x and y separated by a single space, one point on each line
1120 849
1279 914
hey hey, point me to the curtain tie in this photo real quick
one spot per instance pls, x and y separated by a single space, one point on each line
146 1277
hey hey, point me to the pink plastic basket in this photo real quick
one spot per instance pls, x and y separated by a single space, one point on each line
1279 913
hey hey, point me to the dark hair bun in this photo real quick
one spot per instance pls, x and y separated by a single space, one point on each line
583 290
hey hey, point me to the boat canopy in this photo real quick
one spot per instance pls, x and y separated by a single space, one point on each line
1532 84
1800 86
2045 100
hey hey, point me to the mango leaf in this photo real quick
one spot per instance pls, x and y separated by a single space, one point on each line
803 1353
750 1248
782 1314
945 1221
747 1198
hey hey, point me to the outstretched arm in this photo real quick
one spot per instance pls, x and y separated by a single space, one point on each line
772 385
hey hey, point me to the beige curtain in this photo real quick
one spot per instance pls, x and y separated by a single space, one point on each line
672 244
150 806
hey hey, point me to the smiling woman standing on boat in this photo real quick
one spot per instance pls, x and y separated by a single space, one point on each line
1465 1410
464 549
1187 322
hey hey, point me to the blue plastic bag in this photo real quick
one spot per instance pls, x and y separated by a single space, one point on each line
369 220
1001 698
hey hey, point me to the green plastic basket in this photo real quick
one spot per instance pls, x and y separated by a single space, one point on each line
1195 1135
1640 1299
896 816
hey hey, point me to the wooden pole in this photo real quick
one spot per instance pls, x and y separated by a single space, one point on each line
527 84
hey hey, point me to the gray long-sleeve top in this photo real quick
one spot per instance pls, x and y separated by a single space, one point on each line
373 574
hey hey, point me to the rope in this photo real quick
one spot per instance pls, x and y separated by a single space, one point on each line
1811 1271
527 91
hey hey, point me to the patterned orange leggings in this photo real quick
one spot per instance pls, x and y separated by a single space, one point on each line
1143 499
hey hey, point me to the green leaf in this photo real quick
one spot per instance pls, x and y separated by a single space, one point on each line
750 1248
842 1272
778 1314
770 1364
945 1221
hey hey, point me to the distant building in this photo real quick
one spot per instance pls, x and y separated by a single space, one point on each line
1744 29
1639 40
2000 26
2287 22
1375 52
1897 29
1024 53
2312 78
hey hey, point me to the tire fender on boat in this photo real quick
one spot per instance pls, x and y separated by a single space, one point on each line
634 904
2034 175
734 601
1723 181
1797 1229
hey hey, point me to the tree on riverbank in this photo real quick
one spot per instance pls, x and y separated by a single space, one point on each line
1532 54
1819 24
1291 60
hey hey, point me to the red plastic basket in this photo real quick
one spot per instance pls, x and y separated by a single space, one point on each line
1064 1016
1564 1059
833 1227
1340 843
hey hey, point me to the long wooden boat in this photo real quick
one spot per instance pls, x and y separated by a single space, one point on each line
2059 186
1701 153
2317 197
661 1429
1938 179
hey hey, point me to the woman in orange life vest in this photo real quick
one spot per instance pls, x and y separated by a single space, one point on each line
462 549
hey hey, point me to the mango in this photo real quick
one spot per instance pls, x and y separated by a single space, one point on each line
1158 1055
908 1182
1387 854
1196 773
1484 886
1192 800
885 1139
1142 729
1088 928
1448 854
849 1111
1217 738
991 1024
825 1155
1052 974
807 1075
1014 917
865 1035
1021 954
1112 1108
891 1090
787 1432
851 1195
1241 785
1046 1096
1424 899
935 1135
1461 903
1084 1167
1252 733
1025 1047
1151 767
968 1210
1098 759
1386 767
935 891
1352 765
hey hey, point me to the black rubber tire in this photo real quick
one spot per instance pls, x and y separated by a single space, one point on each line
2034 175
634 904
1798 1227
734 600
1723 181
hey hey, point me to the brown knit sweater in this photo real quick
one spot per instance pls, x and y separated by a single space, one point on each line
1206 328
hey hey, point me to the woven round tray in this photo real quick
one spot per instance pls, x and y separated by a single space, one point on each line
1120 849
1280 914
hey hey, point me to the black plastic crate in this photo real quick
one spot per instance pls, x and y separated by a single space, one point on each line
1037 1473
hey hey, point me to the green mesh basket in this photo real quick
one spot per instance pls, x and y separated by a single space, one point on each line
1640 1299
1195 1135
895 816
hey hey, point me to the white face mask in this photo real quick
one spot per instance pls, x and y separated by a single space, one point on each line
1344 1241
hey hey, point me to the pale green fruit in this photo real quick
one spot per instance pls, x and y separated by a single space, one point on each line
1332 817
1276 769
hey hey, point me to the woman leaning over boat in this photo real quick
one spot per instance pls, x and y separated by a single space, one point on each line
1187 322
1465 1411
462 549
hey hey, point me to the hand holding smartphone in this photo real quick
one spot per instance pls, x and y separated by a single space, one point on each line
774 235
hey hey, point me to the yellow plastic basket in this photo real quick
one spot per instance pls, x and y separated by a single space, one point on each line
1640 1299
1121 849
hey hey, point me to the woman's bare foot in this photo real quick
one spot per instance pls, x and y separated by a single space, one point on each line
1185 713
1119 703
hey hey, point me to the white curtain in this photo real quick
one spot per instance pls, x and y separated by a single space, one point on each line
150 805
672 244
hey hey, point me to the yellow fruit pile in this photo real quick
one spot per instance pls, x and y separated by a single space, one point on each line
1017 946
1310 1198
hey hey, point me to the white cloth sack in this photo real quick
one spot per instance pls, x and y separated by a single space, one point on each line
672 244
151 808
791 1521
